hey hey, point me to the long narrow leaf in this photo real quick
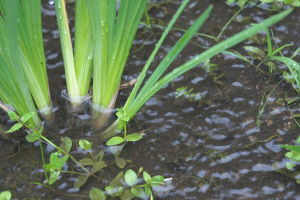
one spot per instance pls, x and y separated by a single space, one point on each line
67 50
83 53
13 85
32 50
135 12
153 54
174 52
113 33
203 57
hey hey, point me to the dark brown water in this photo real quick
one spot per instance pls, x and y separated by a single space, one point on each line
211 148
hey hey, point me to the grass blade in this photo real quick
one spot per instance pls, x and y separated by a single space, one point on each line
13 85
203 57
153 54
113 34
83 53
178 47
32 50
67 50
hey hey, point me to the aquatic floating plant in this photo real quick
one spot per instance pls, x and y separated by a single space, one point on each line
23 76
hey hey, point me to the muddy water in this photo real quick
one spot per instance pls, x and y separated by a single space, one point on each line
212 148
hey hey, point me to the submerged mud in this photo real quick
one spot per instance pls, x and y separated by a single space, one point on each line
215 146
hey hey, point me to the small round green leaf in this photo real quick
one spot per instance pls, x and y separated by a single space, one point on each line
126 195
57 160
114 190
115 141
146 176
85 145
148 190
134 137
53 177
49 167
87 161
66 144
290 165
13 116
99 156
81 180
157 180
122 115
32 137
5 195
121 162
98 166
96 194
139 192
130 177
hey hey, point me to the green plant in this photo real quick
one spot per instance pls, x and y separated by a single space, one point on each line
278 3
94 161
293 155
59 158
142 93
132 187
23 76
90 165
103 39
188 93
6 195
117 140
78 67
293 76
104 54
122 141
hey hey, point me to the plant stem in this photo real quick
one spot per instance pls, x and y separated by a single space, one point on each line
43 159
73 172
229 22
67 50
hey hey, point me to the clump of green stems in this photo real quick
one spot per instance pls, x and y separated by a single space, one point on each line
103 38
111 43
274 53
23 78
142 92
104 33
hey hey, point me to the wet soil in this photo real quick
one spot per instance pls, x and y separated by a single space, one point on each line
212 148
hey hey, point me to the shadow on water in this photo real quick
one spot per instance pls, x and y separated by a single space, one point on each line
212 148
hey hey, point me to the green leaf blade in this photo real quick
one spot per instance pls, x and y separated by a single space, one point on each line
115 141
131 177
